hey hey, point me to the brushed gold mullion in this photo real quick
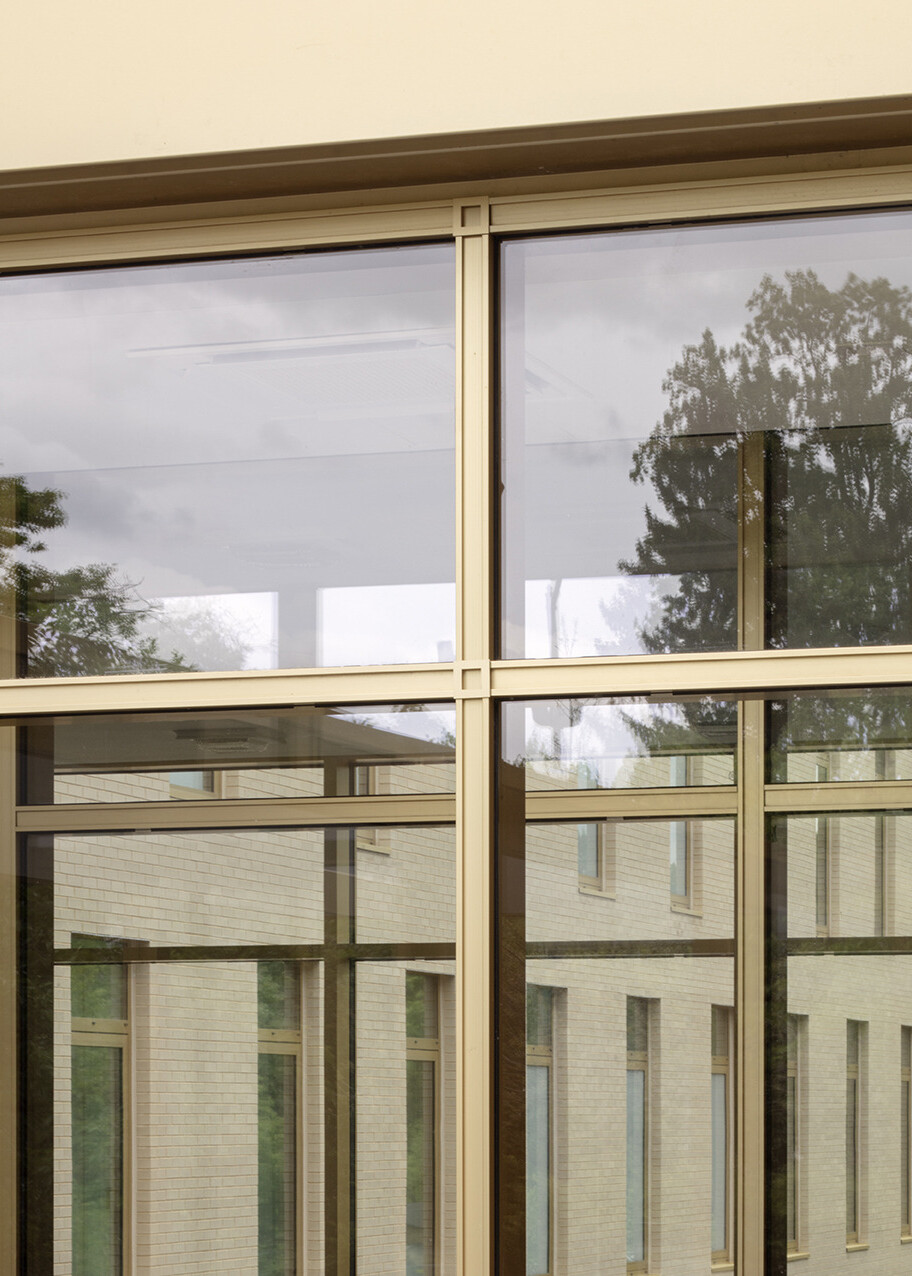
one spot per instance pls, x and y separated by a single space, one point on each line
9 1088
430 218
474 831
876 795
309 812
248 690
587 804
750 994
725 673
718 196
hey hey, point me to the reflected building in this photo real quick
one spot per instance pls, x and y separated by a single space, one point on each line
525 890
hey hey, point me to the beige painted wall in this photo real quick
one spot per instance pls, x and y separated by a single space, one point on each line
116 79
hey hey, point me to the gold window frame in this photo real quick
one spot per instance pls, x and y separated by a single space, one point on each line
473 214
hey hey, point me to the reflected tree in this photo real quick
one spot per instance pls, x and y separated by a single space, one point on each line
824 377
85 619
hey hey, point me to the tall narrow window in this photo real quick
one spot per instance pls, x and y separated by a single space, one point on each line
595 857
792 1135
539 1154
721 1098
422 1090
279 1064
194 784
853 1144
99 999
884 769
637 1132
680 867
822 863
905 1132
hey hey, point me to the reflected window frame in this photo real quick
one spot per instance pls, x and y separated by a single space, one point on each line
796 1133
856 1133
426 1050
722 1032
92 1034
540 1056
641 1015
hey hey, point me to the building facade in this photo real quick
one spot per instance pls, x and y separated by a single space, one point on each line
455 642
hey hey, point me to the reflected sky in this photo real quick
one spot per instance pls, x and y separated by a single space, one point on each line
265 430
614 537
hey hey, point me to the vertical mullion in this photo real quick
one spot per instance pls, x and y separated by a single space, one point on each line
750 994
474 753
749 874
36 1063
338 1034
8 1025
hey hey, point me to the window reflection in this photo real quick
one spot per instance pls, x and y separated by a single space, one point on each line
220 465
667 392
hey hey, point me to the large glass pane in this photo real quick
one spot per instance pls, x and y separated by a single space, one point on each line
837 1010
360 751
840 736
405 1115
642 370
849 874
640 1139
199 1097
222 464
630 744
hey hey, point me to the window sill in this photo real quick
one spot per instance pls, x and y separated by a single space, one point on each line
597 890
723 1266
686 910
856 1246
796 1254
905 1240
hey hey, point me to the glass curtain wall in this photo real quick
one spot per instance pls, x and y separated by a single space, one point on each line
705 450
229 1020
243 1031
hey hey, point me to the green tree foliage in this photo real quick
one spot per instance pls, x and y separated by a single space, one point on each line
824 377
83 620
90 619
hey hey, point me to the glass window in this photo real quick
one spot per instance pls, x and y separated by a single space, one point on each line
263 1031
796 1118
853 1165
637 1132
539 1138
358 751
99 1107
722 1131
638 979
649 376
279 1077
221 464
846 736
632 744
422 1066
